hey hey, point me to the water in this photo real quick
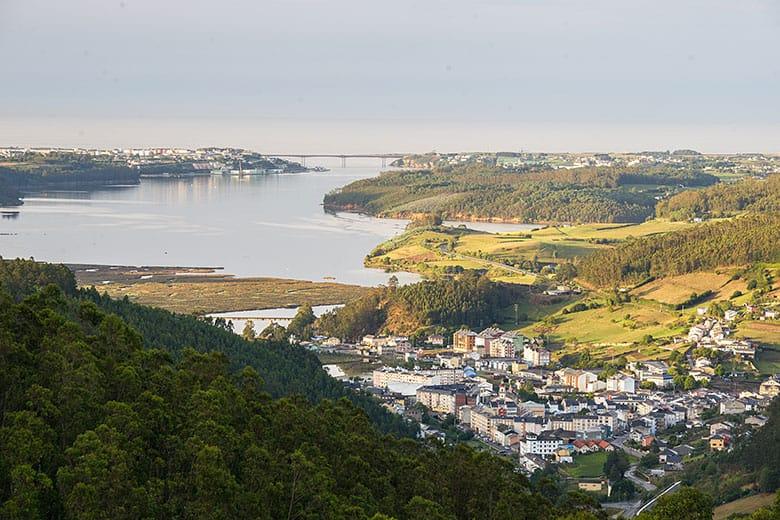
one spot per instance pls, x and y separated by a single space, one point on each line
262 318
271 225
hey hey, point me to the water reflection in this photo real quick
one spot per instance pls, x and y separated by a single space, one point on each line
270 225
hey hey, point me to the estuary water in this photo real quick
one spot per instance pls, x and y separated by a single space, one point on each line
270 225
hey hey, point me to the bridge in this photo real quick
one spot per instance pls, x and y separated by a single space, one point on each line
343 156
275 319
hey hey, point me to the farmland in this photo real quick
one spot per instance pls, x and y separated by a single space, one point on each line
505 256
675 290
626 323
743 505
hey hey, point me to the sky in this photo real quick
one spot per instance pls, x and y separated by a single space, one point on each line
366 76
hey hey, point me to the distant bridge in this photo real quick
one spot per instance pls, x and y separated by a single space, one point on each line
343 156
275 319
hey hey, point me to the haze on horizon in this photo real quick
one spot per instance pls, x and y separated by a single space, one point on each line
407 76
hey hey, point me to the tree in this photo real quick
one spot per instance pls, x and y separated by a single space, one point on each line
249 331
392 282
616 465
301 324
685 504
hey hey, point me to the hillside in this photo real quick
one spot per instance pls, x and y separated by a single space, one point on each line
93 424
469 299
512 256
741 241
754 464
58 170
481 192
723 200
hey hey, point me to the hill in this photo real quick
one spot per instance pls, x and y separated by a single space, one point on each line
754 464
512 256
724 200
741 241
93 424
443 303
58 170
482 192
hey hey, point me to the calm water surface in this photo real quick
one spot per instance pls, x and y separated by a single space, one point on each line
270 225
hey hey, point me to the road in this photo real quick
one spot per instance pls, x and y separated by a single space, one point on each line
631 475
498 265
650 504
629 508
619 441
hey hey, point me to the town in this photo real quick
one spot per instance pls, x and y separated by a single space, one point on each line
505 392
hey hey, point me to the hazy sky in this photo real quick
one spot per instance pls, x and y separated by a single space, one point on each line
400 75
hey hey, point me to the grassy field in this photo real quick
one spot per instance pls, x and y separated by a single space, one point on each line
629 322
202 297
586 466
677 289
431 251
767 334
744 505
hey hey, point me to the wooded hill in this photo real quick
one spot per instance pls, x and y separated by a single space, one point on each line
449 302
95 424
60 170
724 200
740 241
593 194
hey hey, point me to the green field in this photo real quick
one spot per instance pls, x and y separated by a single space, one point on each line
768 360
767 335
628 322
432 251
586 466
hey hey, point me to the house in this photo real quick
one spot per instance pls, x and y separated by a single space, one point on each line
718 442
592 486
621 383
436 340
563 456
544 444
537 356
506 436
770 387
464 341
445 399
484 339
531 462
684 450
720 427
756 421
732 407
730 314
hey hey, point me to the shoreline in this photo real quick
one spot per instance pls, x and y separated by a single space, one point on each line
465 218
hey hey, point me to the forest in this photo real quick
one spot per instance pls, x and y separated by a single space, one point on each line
61 169
589 194
724 200
469 299
100 420
740 241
